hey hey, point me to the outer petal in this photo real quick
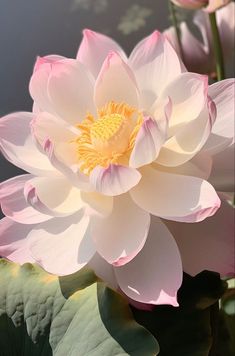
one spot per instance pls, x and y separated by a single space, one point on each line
50 59
199 166
13 242
195 56
155 64
120 236
114 180
188 94
148 143
17 145
53 196
103 270
94 48
38 87
14 204
62 246
223 94
116 82
189 140
155 274
222 174
70 88
209 244
175 197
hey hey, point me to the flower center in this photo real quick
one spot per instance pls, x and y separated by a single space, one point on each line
108 139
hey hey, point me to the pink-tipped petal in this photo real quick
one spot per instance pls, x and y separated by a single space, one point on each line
116 82
94 48
70 88
148 144
50 59
175 197
114 180
155 274
53 196
63 245
155 64
13 242
14 204
208 244
120 236
18 146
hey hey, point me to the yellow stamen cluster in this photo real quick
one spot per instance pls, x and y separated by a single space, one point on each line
109 138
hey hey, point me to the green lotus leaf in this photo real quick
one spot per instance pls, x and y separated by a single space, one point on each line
41 314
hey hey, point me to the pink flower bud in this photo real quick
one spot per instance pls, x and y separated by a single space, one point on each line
210 6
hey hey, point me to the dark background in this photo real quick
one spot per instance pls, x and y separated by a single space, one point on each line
38 27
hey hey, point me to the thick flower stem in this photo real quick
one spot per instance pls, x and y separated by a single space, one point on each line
174 21
217 47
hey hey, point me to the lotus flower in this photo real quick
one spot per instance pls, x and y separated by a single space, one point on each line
113 145
199 56
208 5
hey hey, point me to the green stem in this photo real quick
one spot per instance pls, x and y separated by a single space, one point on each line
217 47
176 26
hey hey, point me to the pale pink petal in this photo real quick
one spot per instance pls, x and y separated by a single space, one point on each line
38 87
13 242
148 143
94 48
18 146
63 245
155 274
120 236
194 55
175 197
155 64
222 174
189 140
103 270
226 24
188 94
97 204
45 125
199 166
14 204
53 196
62 157
50 59
116 82
114 180
223 95
70 88
208 244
